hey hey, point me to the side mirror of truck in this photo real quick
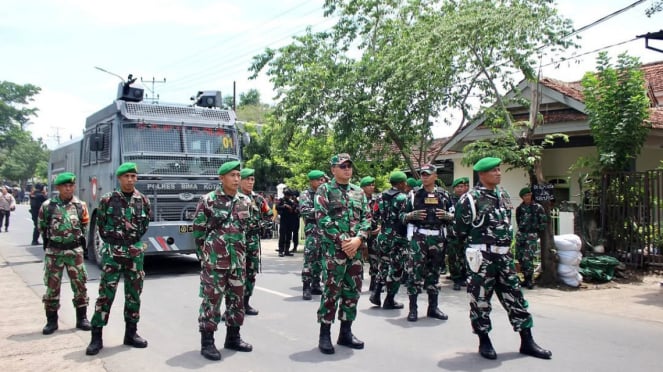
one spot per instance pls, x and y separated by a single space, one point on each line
97 142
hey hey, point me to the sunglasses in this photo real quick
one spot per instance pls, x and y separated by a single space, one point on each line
345 166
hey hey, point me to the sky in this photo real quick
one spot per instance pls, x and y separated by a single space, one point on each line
208 44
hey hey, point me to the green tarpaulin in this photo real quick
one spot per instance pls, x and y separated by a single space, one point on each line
598 268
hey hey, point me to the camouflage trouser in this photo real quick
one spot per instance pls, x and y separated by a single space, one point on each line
373 256
393 257
526 247
113 267
252 262
425 263
55 261
457 261
342 276
497 273
312 269
215 284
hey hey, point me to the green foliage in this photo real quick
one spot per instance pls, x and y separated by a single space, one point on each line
14 112
617 104
269 170
25 157
656 6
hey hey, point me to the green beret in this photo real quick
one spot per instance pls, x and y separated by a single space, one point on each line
315 174
419 183
460 180
486 164
228 166
411 182
368 180
397 176
126 168
66 177
246 172
524 191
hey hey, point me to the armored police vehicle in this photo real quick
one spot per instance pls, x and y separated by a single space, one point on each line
177 148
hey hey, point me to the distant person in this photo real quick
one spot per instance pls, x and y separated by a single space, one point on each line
7 205
288 210
483 220
531 219
312 267
37 198
456 251
123 217
63 221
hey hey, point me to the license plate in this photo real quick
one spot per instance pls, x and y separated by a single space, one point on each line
186 229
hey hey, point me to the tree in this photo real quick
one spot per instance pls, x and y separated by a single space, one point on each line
617 105
14 112
252 97
25 158
655 7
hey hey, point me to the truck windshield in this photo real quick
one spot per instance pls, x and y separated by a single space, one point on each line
178 149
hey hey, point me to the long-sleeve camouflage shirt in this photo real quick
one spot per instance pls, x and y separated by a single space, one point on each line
307 210
341 212
392 212
63 224
531 218
122 222
219 229
491 221
260 212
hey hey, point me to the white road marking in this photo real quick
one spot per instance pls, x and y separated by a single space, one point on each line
284 295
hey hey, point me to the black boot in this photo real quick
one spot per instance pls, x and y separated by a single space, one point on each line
51 322
346 338
529 347
528 283
248 310
306 291
132 338
457 285
371 286
433 310
324 342
315 287
375 295
412 315
81 319
96 343
486 347
390 303
234 340
207 347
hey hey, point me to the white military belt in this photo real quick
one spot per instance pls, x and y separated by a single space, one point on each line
429 232
491 248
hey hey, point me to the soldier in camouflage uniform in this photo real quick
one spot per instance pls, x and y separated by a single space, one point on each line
62 221
342 214
260 212
393 241
371 247
532 220
456 251
222 219
427 209
122 219
483 220
312 268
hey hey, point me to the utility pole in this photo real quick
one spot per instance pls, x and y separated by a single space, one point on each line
56 136
155 97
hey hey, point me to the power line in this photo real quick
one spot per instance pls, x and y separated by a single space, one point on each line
605 18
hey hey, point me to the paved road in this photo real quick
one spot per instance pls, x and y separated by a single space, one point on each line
285 333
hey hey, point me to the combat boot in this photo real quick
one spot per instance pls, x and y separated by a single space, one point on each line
81 319
346 338
306 291
486 347
207 347
248 310
324 341
529 347
51 322
96 343
234 340
132 338
412 315
315 287
390 303
374 298
434 311
528 283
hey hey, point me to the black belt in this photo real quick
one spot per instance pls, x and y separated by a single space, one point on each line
58 245
119 242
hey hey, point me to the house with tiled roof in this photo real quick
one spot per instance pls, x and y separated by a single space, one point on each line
563 111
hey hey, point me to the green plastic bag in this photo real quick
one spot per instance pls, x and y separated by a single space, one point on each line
599 269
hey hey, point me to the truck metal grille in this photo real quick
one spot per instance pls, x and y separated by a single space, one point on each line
170 113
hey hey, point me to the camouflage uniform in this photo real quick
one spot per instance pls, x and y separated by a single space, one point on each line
392 239
218 229
341 213
456 251
312 268
259 212
532 220
373 243
122 221
490 228
63 226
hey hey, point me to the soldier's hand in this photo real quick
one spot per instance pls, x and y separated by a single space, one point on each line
376 231
417 215
443 215
350 246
